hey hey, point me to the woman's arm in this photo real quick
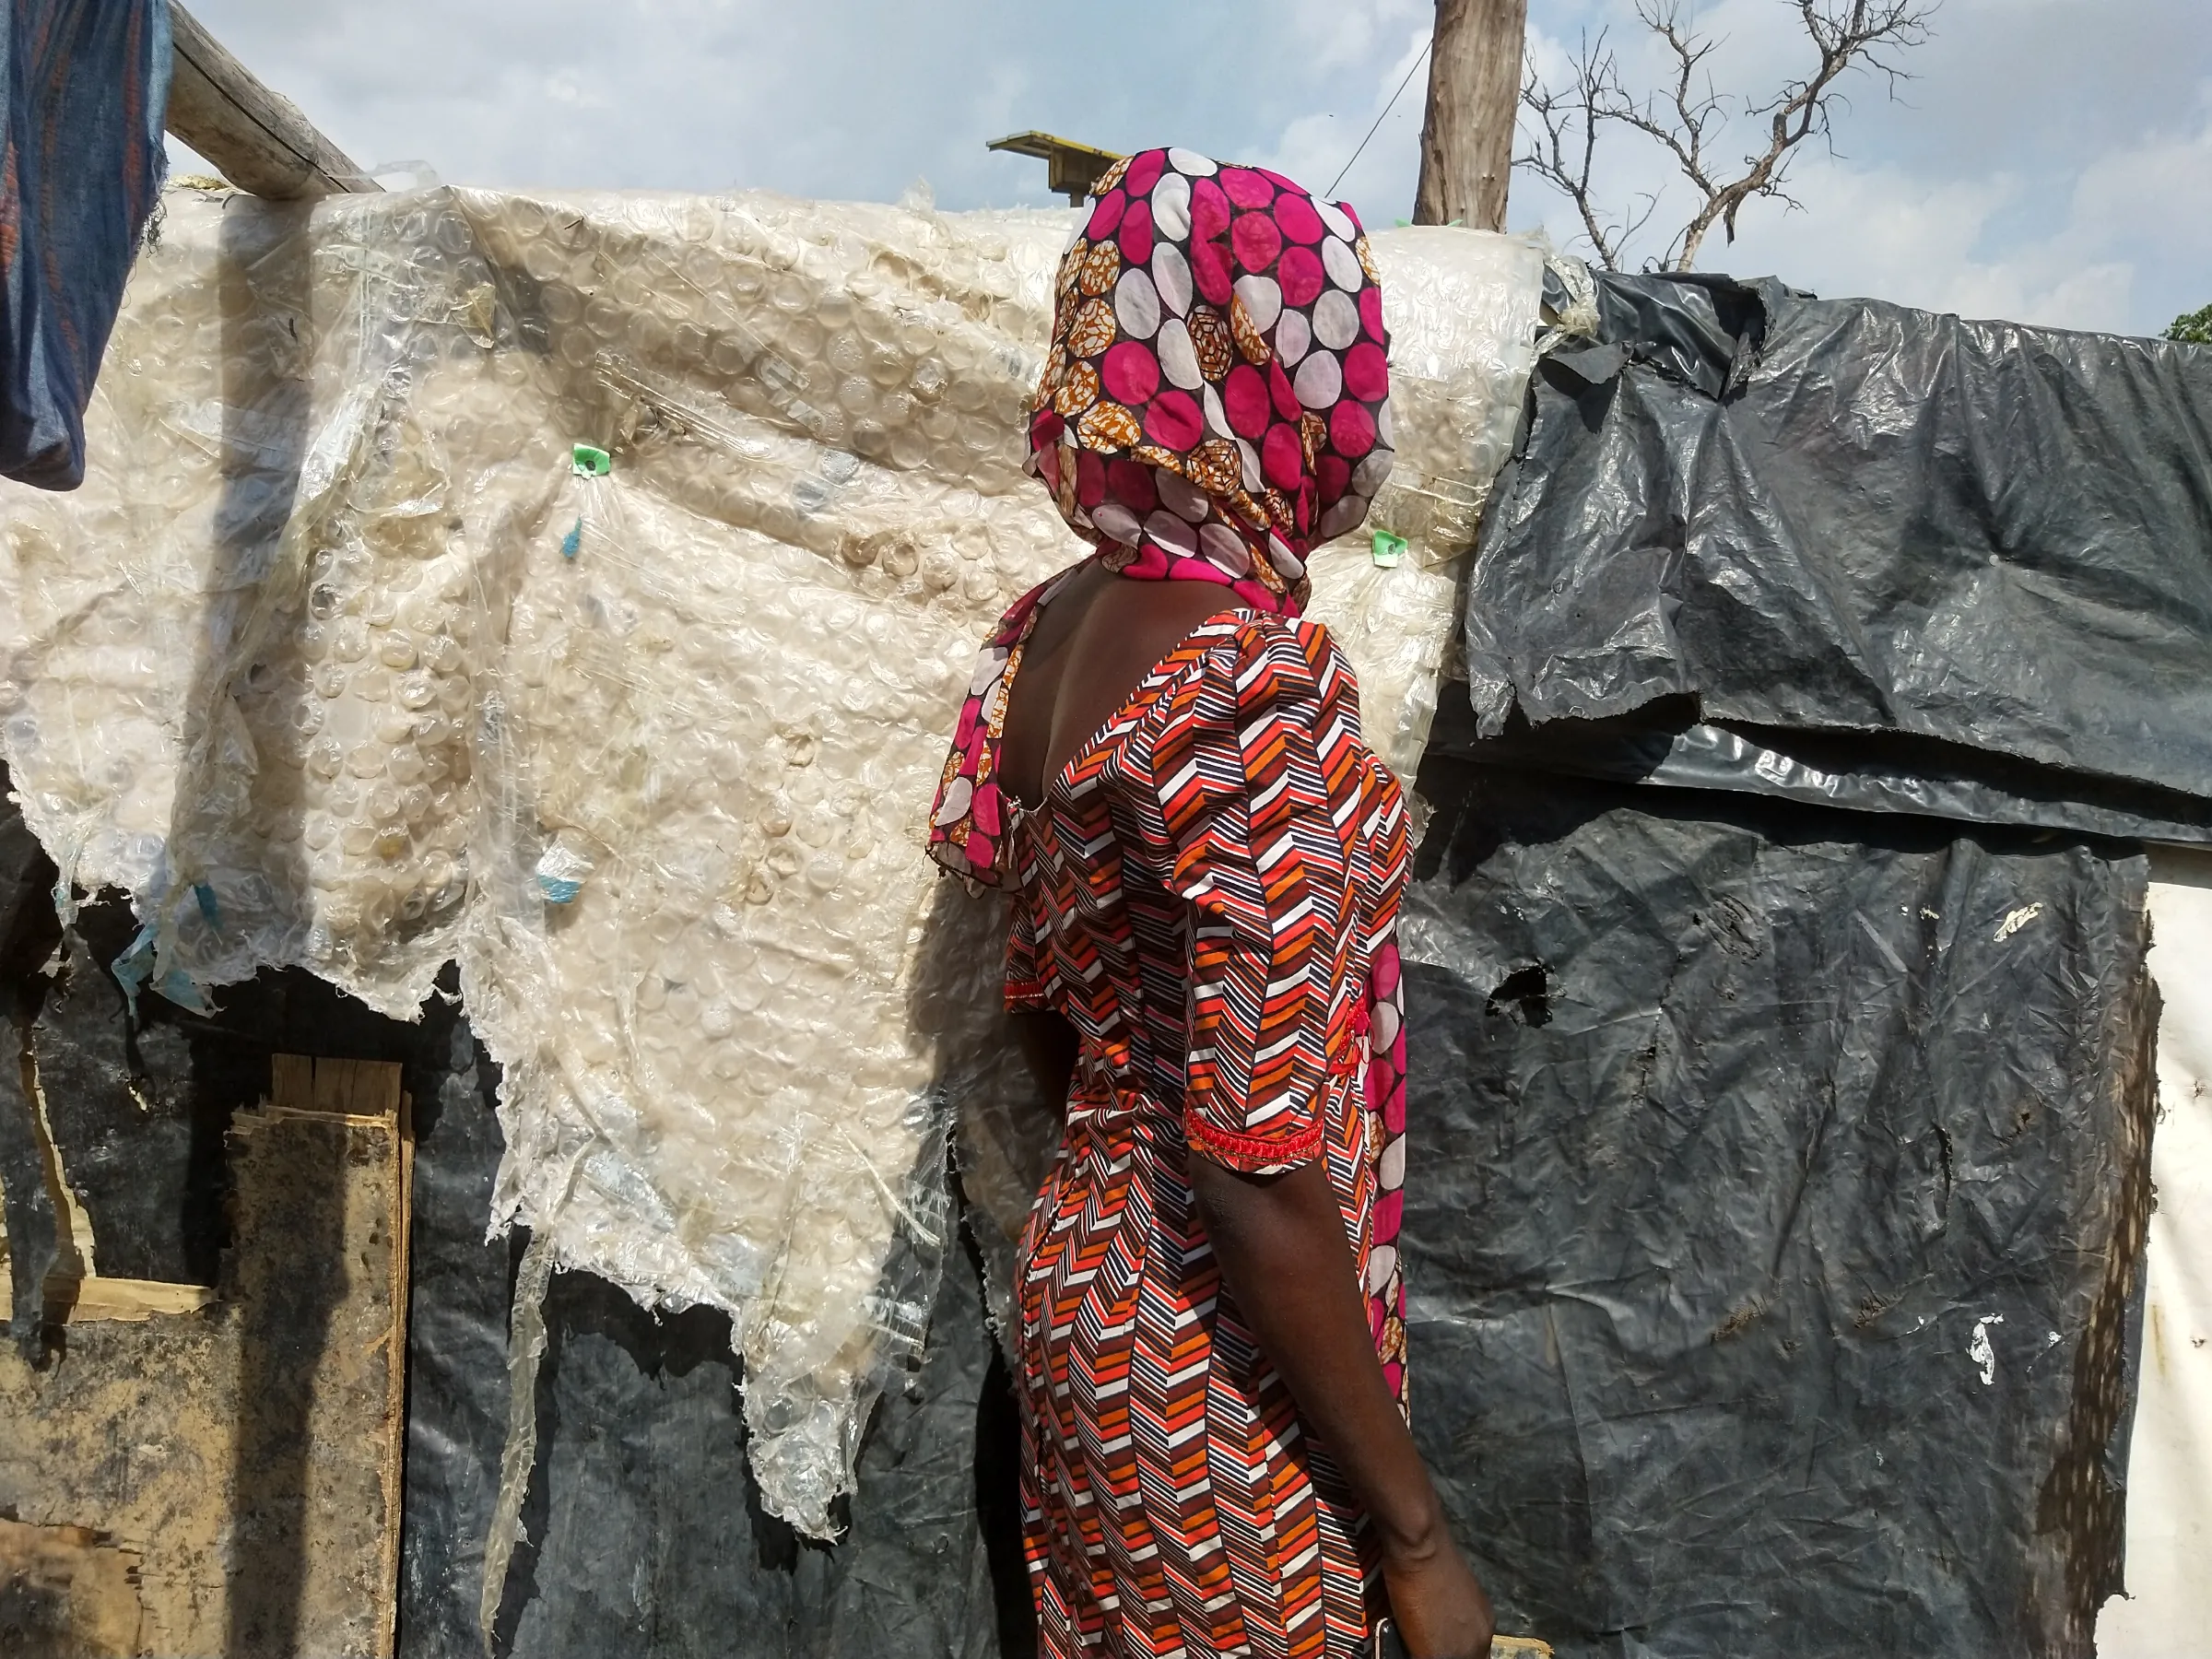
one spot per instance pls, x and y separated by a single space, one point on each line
1049 1045
1280 1241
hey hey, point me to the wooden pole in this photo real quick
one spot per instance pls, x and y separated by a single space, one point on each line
256 139
1474 98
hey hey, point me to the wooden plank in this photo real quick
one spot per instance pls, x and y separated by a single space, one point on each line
367 1089
247 1454
68 1592
127 1299
363 1090
257 139
293 1082
1072 168
1474 100
392 1452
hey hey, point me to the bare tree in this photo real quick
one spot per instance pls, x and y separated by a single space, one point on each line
1687 117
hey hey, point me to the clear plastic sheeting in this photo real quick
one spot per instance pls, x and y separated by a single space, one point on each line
583 588
1462 308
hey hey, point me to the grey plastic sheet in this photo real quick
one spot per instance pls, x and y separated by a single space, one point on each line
1848 515
1775 1230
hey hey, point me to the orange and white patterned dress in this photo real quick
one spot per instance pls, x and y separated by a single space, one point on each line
1209 895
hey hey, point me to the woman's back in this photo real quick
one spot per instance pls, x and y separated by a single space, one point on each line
1206 853
1092 646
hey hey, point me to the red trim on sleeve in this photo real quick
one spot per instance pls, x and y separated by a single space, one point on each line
1252 1154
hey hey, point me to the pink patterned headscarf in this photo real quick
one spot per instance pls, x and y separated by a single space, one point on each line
1216 401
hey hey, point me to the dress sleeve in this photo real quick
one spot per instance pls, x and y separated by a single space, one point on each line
1258 855
1025 982
1389 854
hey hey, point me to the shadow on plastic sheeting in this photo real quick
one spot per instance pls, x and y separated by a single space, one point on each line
267 402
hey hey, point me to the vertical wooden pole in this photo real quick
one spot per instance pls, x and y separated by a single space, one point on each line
1474 98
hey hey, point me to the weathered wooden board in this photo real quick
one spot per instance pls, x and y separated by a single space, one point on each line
68 1592
257 137
244 1458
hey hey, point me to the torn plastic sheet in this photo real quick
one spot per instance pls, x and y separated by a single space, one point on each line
1843 514
525 1352
643 1533
339 661
1737 1120
1462 315
1859 772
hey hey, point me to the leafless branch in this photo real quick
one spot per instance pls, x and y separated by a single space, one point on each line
1568 152
1686 116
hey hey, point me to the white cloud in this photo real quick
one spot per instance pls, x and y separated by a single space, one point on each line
1340 34
2053 160
2163 186
1879 233
1967 193
2121 246
1378 179
569 86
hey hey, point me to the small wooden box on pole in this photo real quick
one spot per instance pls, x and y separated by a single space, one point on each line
1072 168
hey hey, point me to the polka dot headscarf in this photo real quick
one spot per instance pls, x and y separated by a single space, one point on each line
1217 400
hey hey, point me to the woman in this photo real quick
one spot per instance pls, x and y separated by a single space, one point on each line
1163 762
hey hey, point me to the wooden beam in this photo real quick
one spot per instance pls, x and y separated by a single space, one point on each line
1073 168
1474 100
256 139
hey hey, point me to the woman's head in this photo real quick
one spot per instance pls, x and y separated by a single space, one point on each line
1217 400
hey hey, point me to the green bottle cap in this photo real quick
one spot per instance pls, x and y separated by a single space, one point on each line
589 462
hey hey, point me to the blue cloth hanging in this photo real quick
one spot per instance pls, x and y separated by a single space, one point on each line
84 94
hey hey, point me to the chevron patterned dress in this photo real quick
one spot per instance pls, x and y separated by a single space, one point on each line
1209 895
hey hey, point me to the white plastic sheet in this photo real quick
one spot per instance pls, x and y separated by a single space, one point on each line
2168 1612
347 657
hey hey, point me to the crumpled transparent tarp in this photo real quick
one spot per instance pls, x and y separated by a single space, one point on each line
340 659
1462 311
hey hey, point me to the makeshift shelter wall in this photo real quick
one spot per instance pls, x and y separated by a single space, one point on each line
261 1511
1824 515
1773 1246
335 663
208 1248
341 439
1759 555
645 1530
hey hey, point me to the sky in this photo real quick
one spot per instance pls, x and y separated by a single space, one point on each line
2050 162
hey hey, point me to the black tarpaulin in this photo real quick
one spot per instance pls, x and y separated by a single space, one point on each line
1774 1224
1847 516
644 1534
1665 744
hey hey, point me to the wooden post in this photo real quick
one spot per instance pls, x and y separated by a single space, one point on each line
258 140
1474 98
